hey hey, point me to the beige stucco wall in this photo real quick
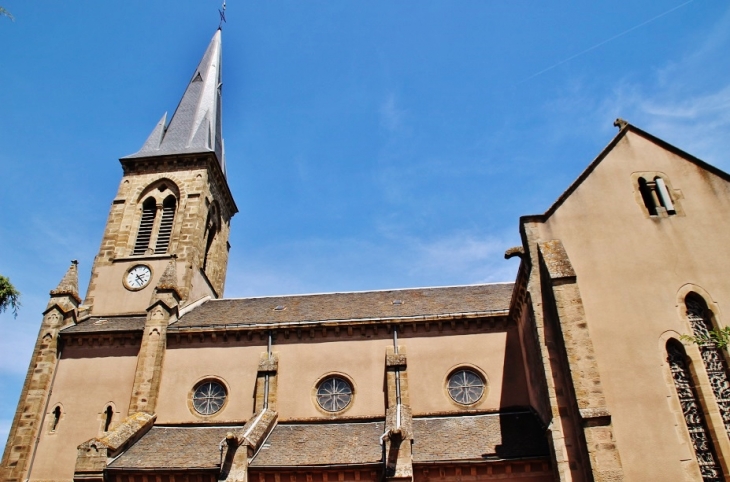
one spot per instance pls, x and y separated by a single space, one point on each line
432 359
110 279
630 269
184 367
303 363
87 380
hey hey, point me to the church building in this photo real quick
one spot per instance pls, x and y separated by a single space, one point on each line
577 371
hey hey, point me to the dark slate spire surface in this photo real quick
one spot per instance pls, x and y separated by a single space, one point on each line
196 126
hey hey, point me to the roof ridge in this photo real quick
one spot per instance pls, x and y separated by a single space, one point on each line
365 291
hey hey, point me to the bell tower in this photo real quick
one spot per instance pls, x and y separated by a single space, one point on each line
173 203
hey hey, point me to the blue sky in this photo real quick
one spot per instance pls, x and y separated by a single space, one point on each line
370 144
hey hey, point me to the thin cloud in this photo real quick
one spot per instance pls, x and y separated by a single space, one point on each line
391 116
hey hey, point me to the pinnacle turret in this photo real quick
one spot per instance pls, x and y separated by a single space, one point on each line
69 285
196 126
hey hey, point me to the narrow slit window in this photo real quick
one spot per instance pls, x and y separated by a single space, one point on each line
166 223
146 224
56 418
108 414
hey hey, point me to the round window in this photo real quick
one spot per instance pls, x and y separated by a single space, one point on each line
334 394
465 387
209 397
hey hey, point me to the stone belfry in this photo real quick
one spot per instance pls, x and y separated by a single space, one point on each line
173 202
165 245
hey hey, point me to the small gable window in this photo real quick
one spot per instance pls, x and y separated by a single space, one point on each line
656 195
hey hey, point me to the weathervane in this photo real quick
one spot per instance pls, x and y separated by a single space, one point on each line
222 13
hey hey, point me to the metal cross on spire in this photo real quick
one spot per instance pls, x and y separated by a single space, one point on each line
222 13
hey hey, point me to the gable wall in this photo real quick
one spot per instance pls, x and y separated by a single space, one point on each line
630 269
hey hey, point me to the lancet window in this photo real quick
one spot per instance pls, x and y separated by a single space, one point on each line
156 223
699 317
108 415
693 415
56 418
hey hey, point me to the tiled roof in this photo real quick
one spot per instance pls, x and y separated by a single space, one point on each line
478 437
364 305
106 324
175 448
440 439
322 444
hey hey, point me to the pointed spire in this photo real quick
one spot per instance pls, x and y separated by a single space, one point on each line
69 285
196 125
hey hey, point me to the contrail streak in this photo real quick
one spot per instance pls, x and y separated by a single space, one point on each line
606 41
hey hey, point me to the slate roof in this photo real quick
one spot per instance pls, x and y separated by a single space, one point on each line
439 439
322 444
366 305
478 437
175 448
107 324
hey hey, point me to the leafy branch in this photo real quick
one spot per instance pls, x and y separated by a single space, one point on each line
9 296
720 337
5 13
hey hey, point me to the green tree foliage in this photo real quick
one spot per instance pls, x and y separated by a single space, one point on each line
720 338
9 296
5 13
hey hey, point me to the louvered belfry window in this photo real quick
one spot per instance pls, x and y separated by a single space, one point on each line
149 209
168 217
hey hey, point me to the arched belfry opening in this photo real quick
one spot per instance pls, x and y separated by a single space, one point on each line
212 227
157 220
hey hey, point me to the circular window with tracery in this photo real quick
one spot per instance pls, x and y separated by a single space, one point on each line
334 394
466 387
209 397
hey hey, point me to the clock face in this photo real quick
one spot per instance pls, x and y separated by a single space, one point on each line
138 277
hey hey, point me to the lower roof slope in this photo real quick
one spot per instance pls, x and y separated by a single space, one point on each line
479 437
300 445
174 448
473 438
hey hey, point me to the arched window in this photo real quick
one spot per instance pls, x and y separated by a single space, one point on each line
692 411
56 418
165 231
146 224
700 317
108 414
